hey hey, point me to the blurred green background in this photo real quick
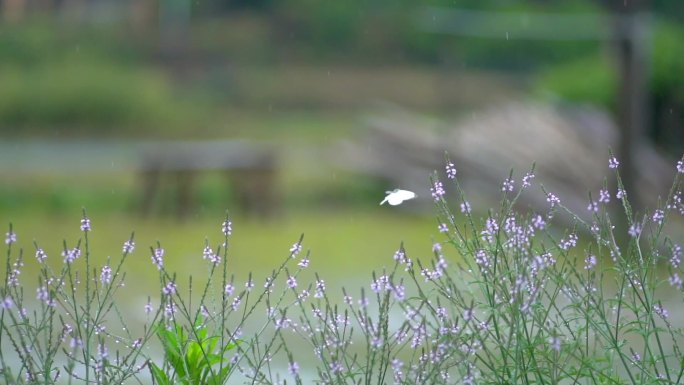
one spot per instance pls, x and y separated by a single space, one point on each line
295 76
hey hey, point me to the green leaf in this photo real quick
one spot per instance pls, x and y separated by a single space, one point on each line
158 375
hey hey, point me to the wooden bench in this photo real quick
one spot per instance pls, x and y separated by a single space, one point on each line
250 170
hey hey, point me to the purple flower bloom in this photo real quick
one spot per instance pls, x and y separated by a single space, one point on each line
128 246
106 275
7 303
483 261
158 258
675 280
295 249
85 224
680 166
676 258
621 193
229 289
451 171
443 228
40 255
613 163
570 242
555 343
320 288
293 368
209 254
590 262
227 228
10 237
538 222
42 294
236 303
507 185
604 196
169 289
291 282
71 255
465 207
148 307
552 199
437 191
593 206
661 311
658 216
526 180
634 230
303 263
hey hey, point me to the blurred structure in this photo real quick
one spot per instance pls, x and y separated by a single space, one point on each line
568 144
251 171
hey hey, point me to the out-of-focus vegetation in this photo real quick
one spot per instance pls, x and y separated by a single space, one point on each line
592 79
299 73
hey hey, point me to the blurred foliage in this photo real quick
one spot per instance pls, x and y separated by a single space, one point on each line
55 76
593 79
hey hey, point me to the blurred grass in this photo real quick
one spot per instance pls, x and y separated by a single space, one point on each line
344 245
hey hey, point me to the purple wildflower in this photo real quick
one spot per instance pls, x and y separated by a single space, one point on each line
128 246
621 194
555 343
227 228
71 255
236 303
676 258
229 289
658 216
526 180
209 254
552 199
507 185
661 311
538 222
443 228
634 230
158 258
566 244
106 275
482 259
604 196
293 368
680 166
593 207
295 249
437 191
451 170
7 303
590 262
169 289
613 162
465 207
303 263
675 280
42 294
10 237
40 255
85 224
320 288
291 282
148 307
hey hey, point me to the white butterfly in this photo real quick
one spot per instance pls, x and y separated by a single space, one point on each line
397 196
